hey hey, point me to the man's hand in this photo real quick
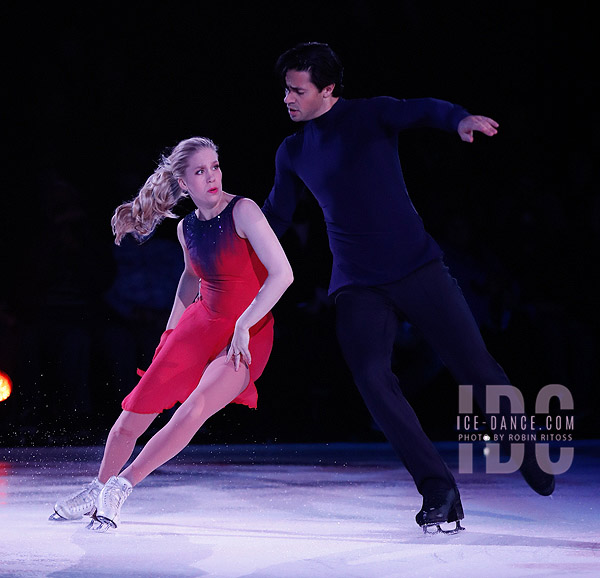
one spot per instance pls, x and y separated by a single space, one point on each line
469 124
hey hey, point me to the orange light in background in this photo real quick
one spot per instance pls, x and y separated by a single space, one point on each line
5 386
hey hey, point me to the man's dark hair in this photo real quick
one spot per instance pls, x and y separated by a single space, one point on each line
317 58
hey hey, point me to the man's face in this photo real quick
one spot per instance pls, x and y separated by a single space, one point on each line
303 99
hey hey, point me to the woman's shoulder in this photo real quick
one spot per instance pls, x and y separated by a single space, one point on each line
246 213
243 201
245 206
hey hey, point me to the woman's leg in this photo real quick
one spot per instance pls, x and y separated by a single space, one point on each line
119 447
219 385
121 442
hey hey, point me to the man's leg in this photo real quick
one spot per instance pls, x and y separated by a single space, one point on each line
433 302
366 328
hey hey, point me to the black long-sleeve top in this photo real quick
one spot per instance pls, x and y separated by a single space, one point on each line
348 159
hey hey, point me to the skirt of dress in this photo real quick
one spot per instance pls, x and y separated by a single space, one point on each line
196 341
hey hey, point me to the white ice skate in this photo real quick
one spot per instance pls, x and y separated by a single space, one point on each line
108 504
78 505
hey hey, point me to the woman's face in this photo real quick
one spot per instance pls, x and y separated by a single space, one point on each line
203 179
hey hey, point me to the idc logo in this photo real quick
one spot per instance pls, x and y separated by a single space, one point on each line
514 428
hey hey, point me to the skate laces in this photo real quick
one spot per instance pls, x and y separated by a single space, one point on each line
84 497
115 493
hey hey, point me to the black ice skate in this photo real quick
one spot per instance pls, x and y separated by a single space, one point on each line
539 481
440 507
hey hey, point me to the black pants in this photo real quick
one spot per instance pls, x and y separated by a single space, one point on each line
367 322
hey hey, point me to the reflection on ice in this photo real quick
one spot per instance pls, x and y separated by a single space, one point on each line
294 511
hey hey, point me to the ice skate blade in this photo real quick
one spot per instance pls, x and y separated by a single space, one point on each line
56 517
100 524
105 523
438 529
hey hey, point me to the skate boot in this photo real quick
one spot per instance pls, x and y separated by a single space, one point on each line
108 504
538 479
78 505
439 507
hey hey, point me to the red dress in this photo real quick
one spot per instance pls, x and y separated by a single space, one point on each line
231 275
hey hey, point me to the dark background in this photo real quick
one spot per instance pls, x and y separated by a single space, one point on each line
93 94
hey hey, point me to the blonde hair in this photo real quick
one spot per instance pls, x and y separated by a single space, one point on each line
160 193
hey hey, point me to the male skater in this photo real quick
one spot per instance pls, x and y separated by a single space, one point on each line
386 267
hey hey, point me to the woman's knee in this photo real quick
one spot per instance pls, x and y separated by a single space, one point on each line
192 412
131 426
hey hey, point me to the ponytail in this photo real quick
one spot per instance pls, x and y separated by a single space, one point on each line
160 193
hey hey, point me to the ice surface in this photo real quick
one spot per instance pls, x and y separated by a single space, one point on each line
291 511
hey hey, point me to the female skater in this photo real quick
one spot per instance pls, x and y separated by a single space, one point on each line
217 340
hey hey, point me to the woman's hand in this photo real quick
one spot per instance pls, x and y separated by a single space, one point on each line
238 350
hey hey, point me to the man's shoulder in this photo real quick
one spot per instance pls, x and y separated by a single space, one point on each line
367 107
372 101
